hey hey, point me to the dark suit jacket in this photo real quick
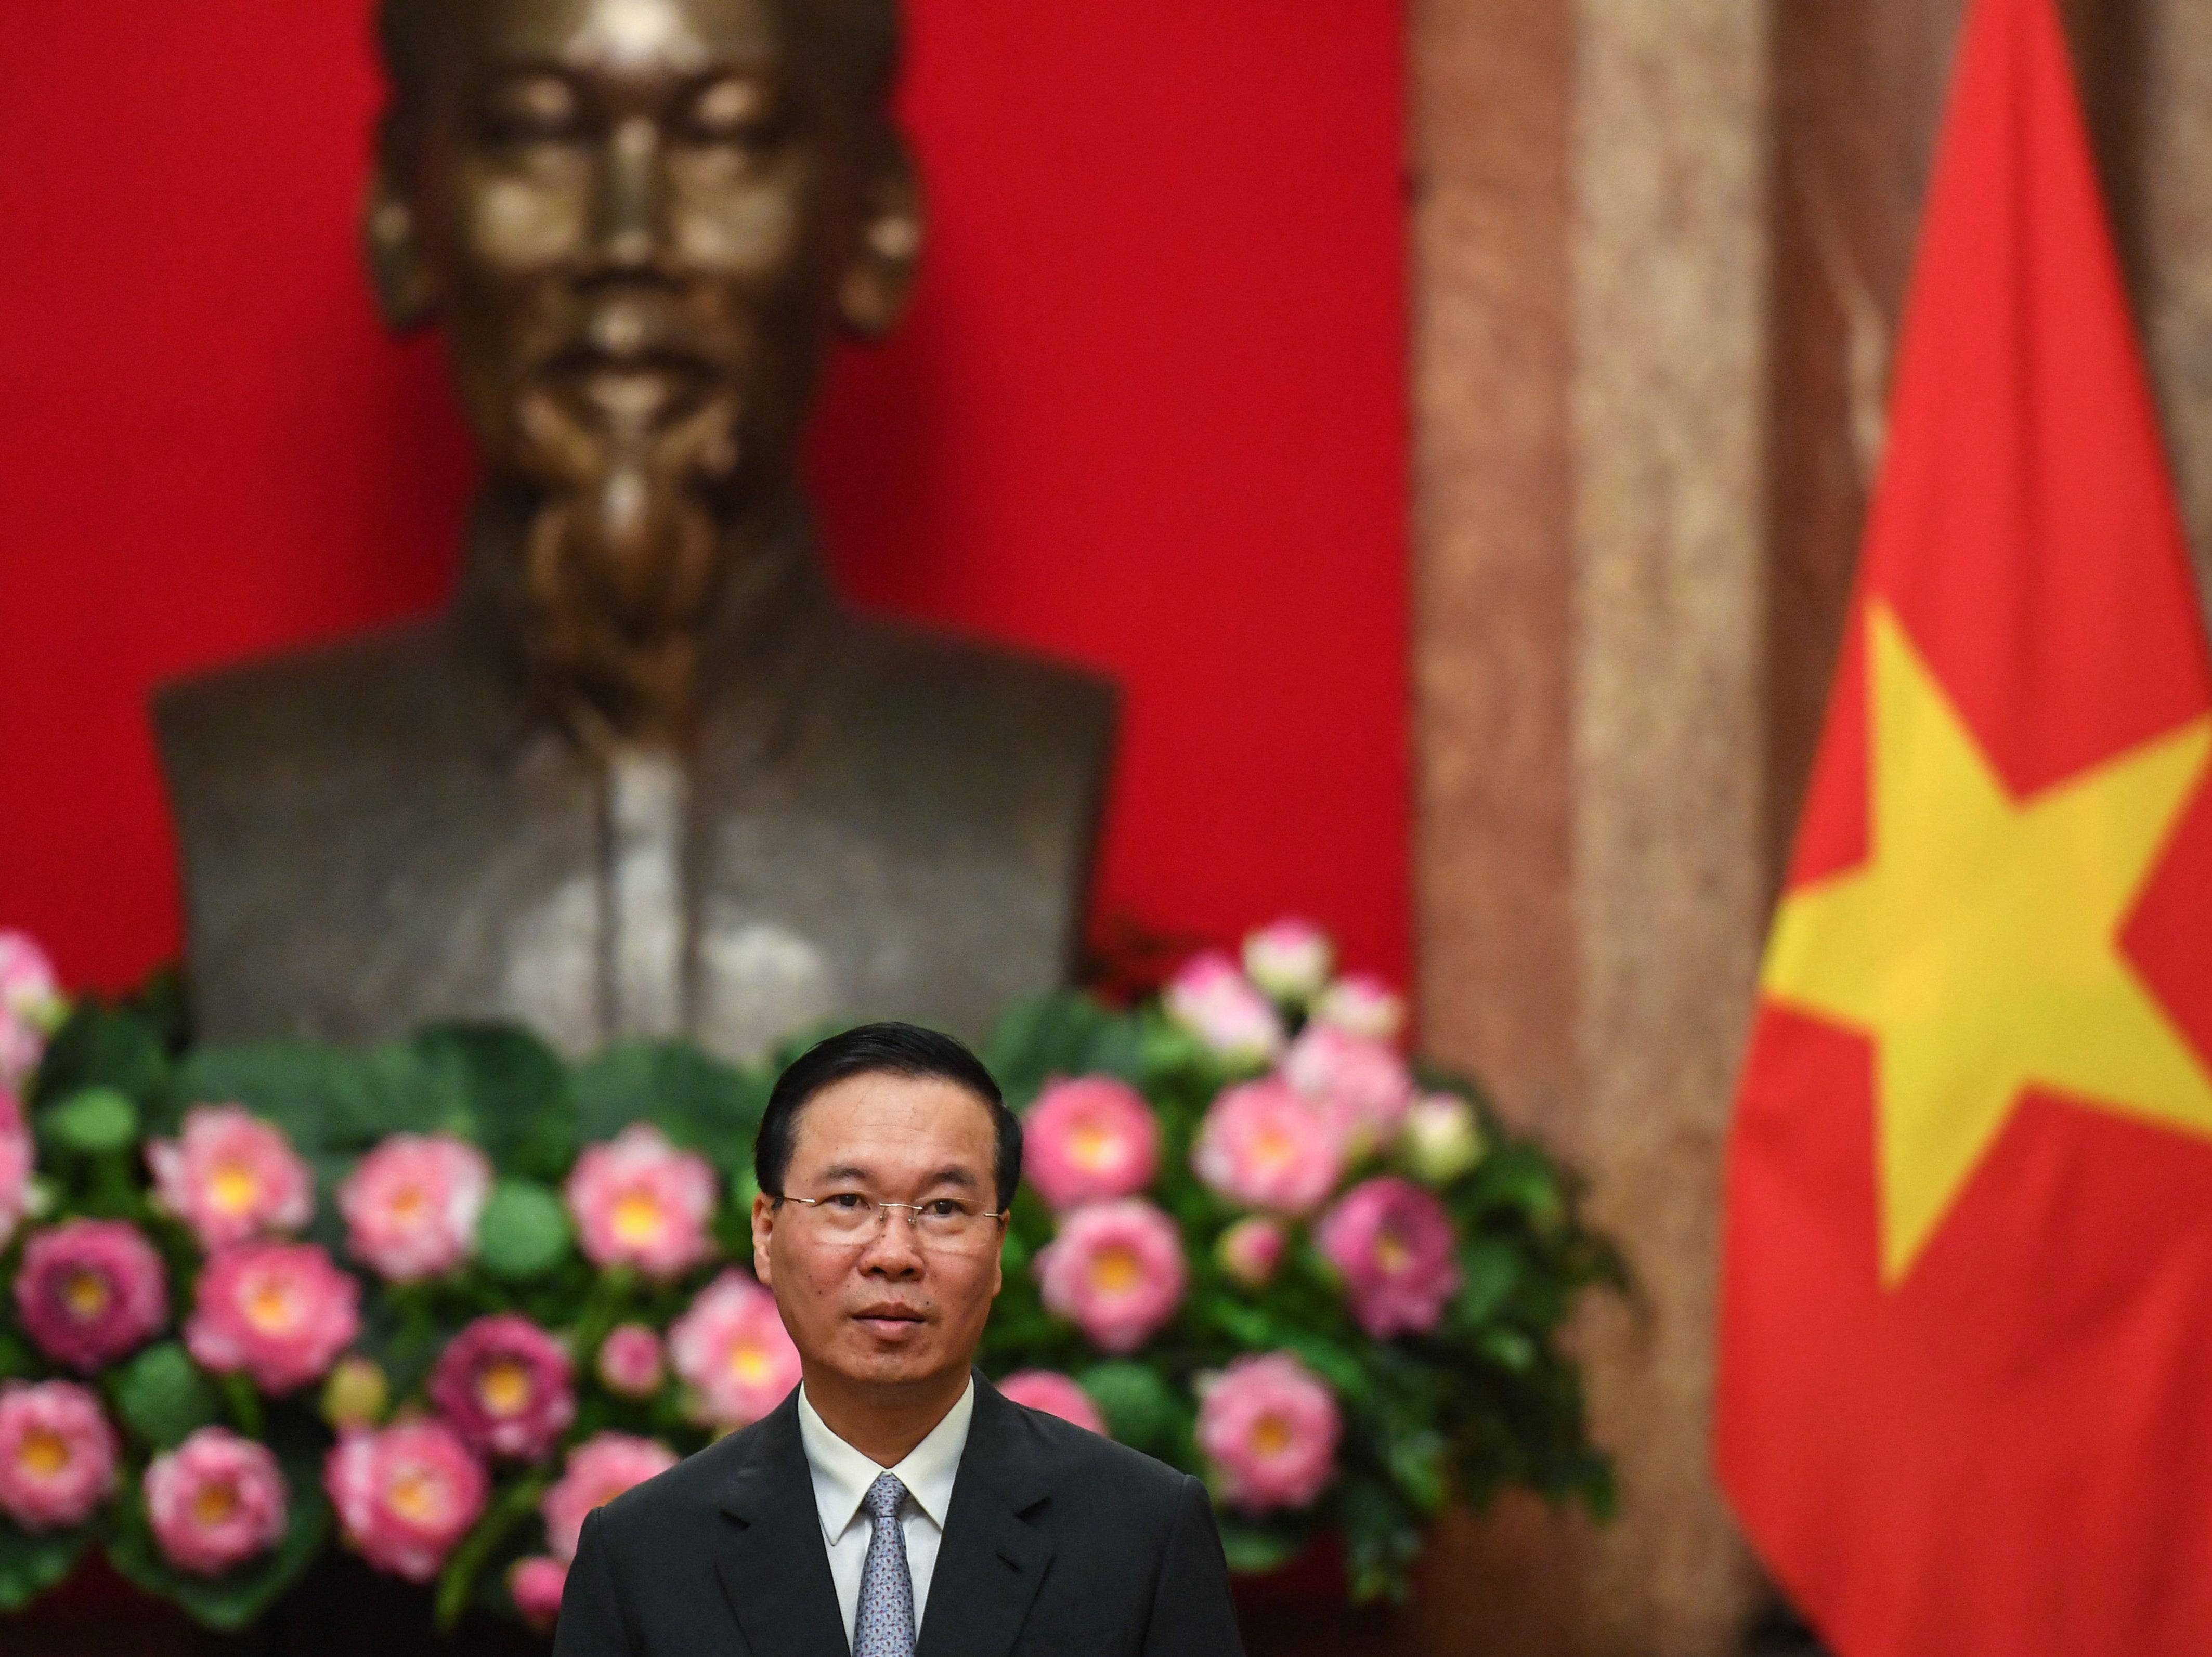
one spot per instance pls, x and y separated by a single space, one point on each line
1058 1544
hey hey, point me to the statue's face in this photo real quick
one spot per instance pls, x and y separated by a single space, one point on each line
642 221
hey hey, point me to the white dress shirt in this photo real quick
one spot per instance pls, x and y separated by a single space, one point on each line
842 1477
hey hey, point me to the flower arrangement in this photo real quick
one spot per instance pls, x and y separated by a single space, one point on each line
434 1301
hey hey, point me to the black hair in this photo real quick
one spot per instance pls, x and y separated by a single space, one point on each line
886 1049
864 36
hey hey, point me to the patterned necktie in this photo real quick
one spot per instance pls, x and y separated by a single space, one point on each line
883 1626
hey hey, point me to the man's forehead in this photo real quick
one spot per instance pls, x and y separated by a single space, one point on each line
882 1114
675 36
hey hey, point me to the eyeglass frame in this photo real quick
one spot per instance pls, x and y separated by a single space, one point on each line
885 1205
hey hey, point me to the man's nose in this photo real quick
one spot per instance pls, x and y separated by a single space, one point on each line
893 1248
629 227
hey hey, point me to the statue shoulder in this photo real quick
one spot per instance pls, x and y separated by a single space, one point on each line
932 692
389 690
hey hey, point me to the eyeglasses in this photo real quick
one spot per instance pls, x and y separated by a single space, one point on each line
948 1224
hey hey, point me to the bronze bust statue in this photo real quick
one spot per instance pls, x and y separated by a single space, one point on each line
646 776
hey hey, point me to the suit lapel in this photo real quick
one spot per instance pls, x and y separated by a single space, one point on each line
774 1566
993 1560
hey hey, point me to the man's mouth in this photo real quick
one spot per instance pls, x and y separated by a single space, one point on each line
895 1321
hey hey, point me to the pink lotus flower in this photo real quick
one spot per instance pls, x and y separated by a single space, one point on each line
1269 1426
639 1201
1056 1395
31 1006
630 1360
1364 1083
1393 1242
507 1386
230 1175
1290 960
15 1160
1251 1250
215 1502
1359 1003
535 1584
412 1205
90 1291
406 1495
731 1349
599 1470
1115 1270
1216 1003
280 1312
1090 1140
57 1454
1266 1145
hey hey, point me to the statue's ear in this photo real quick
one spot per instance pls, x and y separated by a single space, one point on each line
879 280
393 248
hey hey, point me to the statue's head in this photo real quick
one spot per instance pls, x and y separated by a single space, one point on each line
642 223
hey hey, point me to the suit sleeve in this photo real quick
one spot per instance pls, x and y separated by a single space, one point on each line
1191 1614
591 1622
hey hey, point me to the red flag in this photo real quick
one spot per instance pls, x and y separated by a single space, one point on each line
1966 1388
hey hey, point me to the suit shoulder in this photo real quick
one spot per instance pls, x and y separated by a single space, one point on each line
675 1498
1084 1461
963 687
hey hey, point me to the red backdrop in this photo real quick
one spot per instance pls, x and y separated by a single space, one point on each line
1148 415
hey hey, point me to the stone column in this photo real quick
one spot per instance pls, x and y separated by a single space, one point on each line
2175 196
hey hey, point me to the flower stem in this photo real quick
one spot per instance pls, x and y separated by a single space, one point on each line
458 1579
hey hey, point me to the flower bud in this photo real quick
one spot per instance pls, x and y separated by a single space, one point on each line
1441 1139
1290 960
1250 1250
355 1394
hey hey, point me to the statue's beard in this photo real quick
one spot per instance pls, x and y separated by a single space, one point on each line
621 558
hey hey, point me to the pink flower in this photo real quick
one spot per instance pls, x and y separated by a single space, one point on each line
230 1175
1090 1140
1056 1395
1364 1083
1393 1242
91 1290
731 1349
535 1584
1269 1427
1360 1004
1290 960
1266 1145
280 1312
15 1160
1216 1003
215 1501
1116 1271
57 1454
411 1205
406 1495
639 1201
599 1470
507 1386
31 1006
1251 1250
630 1360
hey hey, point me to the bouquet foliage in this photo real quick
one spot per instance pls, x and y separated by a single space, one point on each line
435 1299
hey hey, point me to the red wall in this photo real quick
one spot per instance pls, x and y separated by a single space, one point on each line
1148 415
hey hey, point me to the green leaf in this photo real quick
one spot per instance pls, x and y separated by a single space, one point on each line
1045 1036
1140 1410
516 1093
523 1233
92 1121
1490 1269
1419 1466
1509 1349
1519 1177
330 1102
31 1561
103 1046
231 1601
14 1357
1253 1551
697 1100
162 1396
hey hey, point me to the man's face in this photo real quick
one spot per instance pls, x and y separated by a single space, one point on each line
889 1305
635 217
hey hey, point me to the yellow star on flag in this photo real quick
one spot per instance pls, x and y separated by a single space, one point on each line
1979 944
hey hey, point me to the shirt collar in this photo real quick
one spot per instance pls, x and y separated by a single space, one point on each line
842 1474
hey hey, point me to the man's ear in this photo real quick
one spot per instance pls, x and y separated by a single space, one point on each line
879 280
764 1219
393 248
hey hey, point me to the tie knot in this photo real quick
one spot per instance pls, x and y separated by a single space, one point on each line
883 1497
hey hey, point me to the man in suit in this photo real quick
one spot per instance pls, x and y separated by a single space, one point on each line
895 1504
